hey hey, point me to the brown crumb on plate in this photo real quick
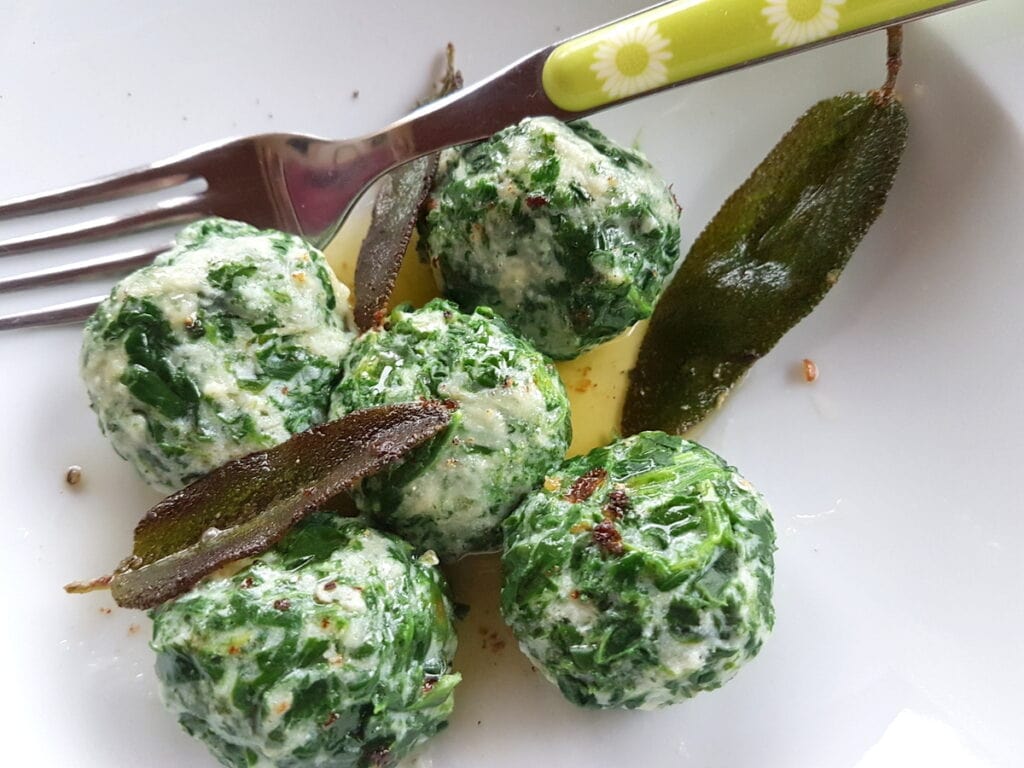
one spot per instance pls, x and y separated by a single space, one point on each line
74 475
810 370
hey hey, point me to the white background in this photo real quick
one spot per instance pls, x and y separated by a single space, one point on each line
895 478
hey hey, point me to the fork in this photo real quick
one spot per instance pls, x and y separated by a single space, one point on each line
306 185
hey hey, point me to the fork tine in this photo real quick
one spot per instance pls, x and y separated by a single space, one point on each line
57 314
104 265
149 179
173 211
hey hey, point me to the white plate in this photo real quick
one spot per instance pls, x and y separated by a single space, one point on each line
895 477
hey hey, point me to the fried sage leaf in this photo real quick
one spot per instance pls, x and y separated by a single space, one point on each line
767 258
395 210
244 507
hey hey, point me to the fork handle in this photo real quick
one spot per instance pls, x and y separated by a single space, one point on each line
664 46
682 41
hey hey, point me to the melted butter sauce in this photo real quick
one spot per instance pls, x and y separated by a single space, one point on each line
596 381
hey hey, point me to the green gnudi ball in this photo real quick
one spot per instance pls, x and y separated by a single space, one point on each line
641 574
511 424
229 343
334 649
564 233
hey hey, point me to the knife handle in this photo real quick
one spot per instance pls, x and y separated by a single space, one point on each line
686 40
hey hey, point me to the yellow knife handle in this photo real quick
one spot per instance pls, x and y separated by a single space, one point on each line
688 39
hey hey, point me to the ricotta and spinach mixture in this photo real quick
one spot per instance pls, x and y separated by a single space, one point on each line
640 574
227 344
635 576
562 232
333 649
512 423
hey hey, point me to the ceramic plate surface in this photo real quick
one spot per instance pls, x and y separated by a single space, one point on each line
895 478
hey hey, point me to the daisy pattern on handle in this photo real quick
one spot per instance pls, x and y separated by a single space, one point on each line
632 61
795 22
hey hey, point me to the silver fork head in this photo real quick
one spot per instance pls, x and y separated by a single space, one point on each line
263 178
296 183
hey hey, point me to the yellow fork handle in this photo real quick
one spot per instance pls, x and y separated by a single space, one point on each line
688 39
